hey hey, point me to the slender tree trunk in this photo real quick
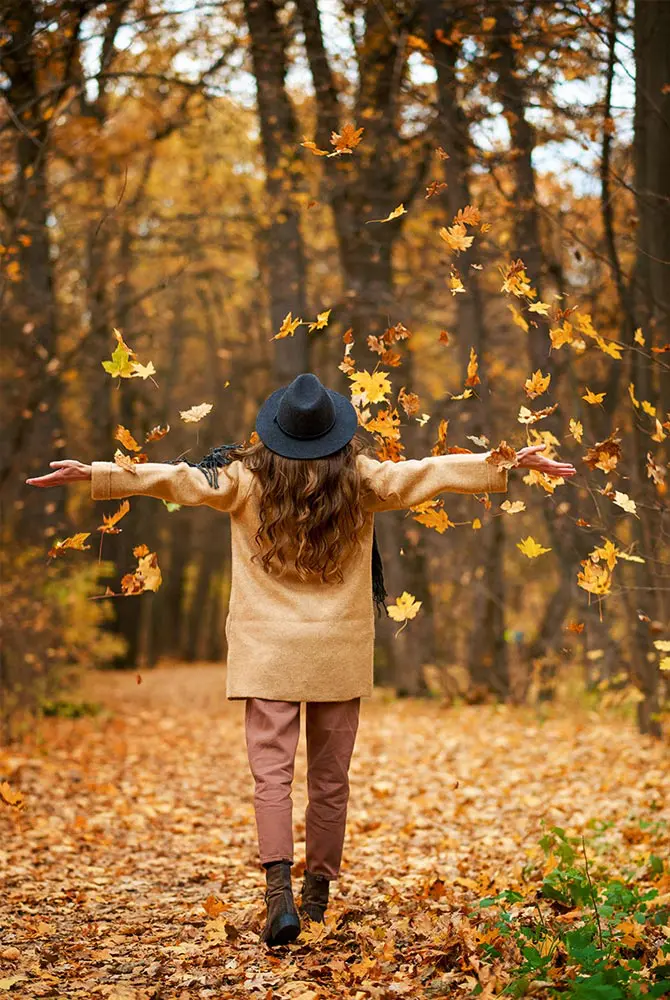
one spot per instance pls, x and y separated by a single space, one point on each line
280 141
487 655
27 297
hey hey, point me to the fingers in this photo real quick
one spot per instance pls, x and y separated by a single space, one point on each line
531 449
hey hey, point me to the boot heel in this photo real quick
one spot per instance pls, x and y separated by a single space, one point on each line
285 929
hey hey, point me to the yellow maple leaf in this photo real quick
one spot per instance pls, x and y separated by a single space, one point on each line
386 423
405 608
320 322
143 371
560 335
659 434
395 214
372 387
595 578
288 327
124 461
539 307
196 413
346 140
648 408
516 281
123 435
476 524
593 397
468 216
664 663
488 23
662 645
576 429
639 337
537 384
456 237
73 542
624 501
147 576
503 457
527 416
473 365
455 284
432 515
513 507
108 527
466 394
530 548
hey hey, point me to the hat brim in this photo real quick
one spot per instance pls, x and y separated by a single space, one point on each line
274 438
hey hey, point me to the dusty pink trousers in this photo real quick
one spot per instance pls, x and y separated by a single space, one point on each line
272 731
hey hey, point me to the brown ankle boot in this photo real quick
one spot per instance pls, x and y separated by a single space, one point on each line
283 923
314 897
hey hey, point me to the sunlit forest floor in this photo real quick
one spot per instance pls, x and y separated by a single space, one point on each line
132 867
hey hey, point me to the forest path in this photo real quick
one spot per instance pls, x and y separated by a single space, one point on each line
134 817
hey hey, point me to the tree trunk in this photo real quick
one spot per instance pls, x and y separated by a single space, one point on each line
283 244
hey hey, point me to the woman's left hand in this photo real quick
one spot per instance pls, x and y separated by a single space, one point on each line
528 458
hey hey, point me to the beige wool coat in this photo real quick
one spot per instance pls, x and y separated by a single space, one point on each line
290 640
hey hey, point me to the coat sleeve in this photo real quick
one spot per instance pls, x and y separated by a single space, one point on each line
395 485
180 484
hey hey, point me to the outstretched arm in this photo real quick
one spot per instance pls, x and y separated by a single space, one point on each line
397 485
180 483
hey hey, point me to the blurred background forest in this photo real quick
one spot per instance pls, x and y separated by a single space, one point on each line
161 173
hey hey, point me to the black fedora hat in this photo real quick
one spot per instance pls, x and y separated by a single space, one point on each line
306 420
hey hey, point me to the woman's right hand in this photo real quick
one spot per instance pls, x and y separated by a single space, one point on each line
67 471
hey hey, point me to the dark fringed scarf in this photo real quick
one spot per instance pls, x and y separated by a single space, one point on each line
220 456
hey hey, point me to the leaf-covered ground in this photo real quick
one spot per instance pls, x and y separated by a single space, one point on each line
132 871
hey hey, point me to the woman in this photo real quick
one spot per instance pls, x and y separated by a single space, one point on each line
300 624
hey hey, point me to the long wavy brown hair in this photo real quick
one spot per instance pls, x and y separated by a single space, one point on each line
310 511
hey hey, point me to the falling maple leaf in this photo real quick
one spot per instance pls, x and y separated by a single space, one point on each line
595 578
348 139
537 384
125 462
385 423
288 327
574 627
372 387
157 432
624 501
444 337
503 457
473 366
440 446
196 413
576 429
123 435
527 416
468 216
455 284
434 188
530 548
639 337
441 153
409 401
143 371
456 237
120 366
432 515
539 307
513 507
405 608
395 214
605 454
516 281
320 322
108 527
423 419
147 575
593 397
75 542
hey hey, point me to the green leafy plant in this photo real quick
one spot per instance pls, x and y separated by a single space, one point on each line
579 937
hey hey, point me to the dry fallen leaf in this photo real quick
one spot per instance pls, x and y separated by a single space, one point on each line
196 413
